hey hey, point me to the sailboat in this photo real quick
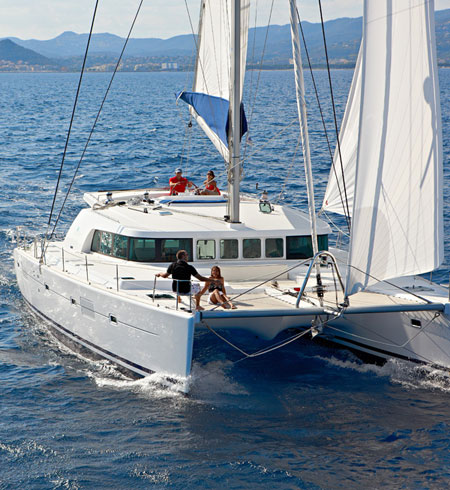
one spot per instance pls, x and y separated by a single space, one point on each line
100 289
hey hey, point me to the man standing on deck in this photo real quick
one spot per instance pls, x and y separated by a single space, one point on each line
181 273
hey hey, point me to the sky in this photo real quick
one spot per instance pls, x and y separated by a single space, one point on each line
46 19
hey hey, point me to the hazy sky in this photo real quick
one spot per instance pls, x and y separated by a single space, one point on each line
45 19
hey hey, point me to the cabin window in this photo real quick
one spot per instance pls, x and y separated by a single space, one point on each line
170 247
142 249
322 241
120 246
251 248
206 249
145 249
274 247
300 247
229 249
95 247
106 243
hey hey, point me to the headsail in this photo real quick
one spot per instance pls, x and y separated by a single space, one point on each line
209 99
340 192
397 227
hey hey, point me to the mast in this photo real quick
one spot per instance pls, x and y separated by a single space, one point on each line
234 142
301 107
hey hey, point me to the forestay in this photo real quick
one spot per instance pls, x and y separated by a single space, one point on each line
397 226
210 97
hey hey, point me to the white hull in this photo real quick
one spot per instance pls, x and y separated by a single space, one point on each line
136 335
390 335
146 337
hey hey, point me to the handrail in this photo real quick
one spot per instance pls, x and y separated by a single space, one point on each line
177 291
308 273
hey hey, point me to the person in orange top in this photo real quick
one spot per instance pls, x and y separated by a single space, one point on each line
210 185
178 183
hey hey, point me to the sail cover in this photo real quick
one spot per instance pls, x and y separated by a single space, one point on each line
209 99
340 191
397 226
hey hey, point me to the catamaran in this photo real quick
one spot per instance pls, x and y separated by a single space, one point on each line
98 287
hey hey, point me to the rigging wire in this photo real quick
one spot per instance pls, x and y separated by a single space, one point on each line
346 209
252 103
185 151
322 117
250 85
289 172
71 123
98 114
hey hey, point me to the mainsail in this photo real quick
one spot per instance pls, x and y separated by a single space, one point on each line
397 225
209 99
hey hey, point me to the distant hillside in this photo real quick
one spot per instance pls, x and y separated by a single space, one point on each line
343 39
70 44
10 51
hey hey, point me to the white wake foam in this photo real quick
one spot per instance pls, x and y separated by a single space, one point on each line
157 385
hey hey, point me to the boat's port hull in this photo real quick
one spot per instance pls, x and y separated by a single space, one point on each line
134 334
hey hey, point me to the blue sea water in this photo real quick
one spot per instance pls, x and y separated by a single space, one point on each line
306 416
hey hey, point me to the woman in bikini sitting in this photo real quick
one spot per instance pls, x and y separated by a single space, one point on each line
210 185
216 288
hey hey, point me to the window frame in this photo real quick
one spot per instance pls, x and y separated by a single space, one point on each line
260 248
283 241
205 240
239 248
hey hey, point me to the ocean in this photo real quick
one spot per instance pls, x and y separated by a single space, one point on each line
308 416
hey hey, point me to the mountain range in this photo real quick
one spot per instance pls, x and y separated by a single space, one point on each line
65 51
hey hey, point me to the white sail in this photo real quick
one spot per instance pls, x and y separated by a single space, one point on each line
339 193
210 97
397 226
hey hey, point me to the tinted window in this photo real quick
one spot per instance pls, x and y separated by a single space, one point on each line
170 247
95 247
274 247
300 247
143 249
322 241
229 249
251 248
106 243
120 246
206 249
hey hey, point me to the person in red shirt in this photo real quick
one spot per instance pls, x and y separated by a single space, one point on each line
210 185
178 183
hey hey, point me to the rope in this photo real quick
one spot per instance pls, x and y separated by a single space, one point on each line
71 123
261 352
346 209
266 281
98 116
